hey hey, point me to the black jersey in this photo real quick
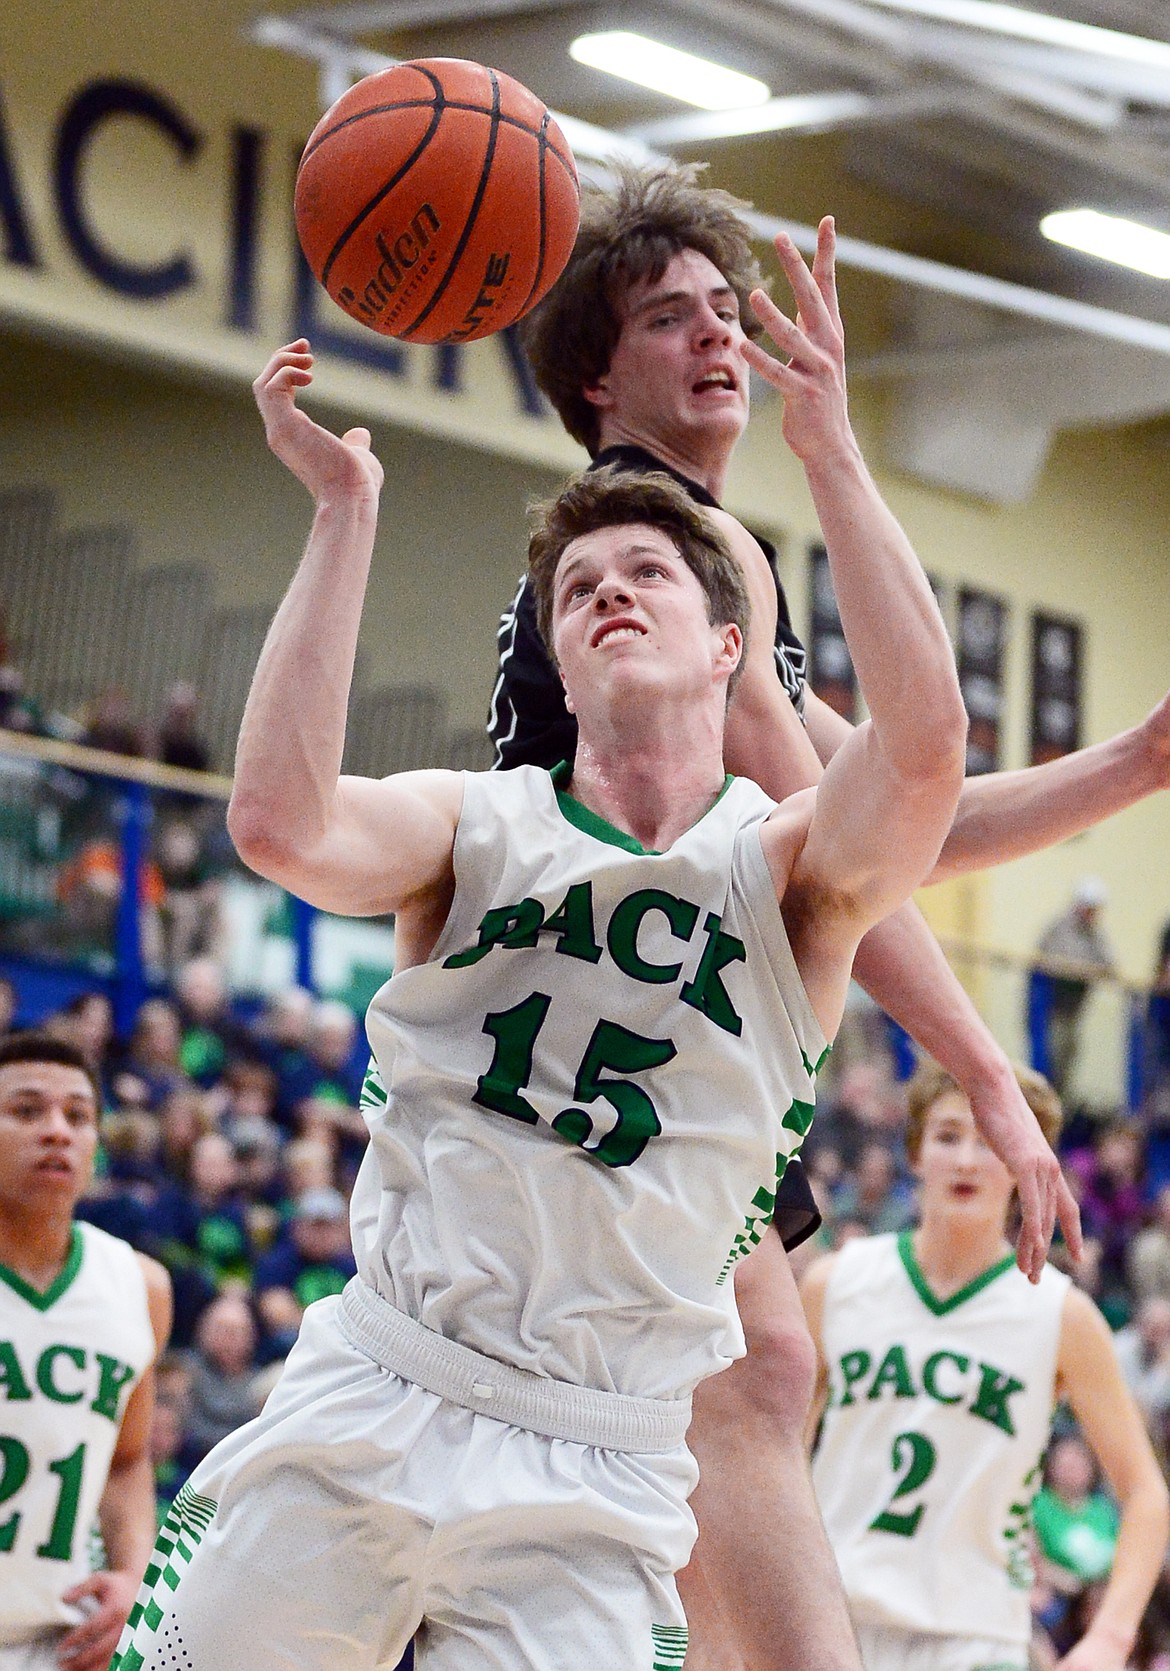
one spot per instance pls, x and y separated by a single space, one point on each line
530 726
528 722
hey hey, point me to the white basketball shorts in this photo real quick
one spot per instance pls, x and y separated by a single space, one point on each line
884 1648
360 1508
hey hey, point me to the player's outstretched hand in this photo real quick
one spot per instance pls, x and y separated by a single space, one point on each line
1095 1652
90 1645
1009 1127
331 466
816 418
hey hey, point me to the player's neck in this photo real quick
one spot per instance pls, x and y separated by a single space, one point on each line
704 459
35 1244
950 1253
654 790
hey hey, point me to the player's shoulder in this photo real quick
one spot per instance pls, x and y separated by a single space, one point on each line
159 1297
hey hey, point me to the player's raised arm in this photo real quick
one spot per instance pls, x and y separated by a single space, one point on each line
346 844
885 804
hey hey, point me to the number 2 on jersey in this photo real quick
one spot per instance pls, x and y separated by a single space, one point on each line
14 1467
915 1453
611 1046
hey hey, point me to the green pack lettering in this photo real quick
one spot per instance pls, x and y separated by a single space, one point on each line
893 1371
707 993
991 1401
46 1376
627 920
507 925
930 1375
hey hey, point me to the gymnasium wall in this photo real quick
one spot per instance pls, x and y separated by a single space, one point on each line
137 410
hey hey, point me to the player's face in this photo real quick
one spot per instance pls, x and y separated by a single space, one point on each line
629 614
677 382
959 1173
48 1134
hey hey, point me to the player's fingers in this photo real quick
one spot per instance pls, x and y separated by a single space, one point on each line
1069 1215
770 369
825 267
804 287
357 438
786 334
296 354
1031 1218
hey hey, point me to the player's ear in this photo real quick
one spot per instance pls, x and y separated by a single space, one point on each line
568 699
598 394
730 648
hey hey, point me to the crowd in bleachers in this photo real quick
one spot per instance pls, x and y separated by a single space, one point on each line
231 1142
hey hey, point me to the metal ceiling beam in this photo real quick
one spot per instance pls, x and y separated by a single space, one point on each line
802 113
594 146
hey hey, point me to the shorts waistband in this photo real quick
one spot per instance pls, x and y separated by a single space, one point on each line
556 1409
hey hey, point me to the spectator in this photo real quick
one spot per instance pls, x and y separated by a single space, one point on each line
199 1229
1074 953
111 725
874 1196
87 1021
329 1109
210 1033
172 1453
179 740
312 1260
223 1393
281 1039
1143 1351
1075 1523
1112 1201
307 1164
191 909
867 1103
1148 1260
152 1057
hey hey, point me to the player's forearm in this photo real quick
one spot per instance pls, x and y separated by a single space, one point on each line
127 1516
288 759
1004 815
1137 1564
899 646
902 967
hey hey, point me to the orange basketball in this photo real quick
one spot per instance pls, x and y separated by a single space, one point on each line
437 201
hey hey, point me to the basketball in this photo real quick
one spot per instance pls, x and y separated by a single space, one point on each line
437 201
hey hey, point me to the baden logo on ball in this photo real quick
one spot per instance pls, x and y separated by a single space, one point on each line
437 201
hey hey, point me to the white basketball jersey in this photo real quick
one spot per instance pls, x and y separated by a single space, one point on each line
929 1458
69 1360
582 1102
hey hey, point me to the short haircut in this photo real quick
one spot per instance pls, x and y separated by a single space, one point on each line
44 1047
629 234
932 1082
611 498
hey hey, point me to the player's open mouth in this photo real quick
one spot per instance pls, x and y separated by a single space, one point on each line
719 377
616 630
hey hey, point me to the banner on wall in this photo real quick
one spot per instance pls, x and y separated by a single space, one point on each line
981 634
1057 661
831 674
133 219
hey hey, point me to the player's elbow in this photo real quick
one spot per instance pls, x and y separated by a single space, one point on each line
258 836
933 752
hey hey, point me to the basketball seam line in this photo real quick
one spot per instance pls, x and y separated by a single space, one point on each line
565 161
472 216
542 149
437 108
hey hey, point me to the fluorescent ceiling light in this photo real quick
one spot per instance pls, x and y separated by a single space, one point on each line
1024 25
666 70
1111 238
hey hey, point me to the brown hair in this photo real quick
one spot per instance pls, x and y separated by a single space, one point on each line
46 1047
611 498
932 1082
629 234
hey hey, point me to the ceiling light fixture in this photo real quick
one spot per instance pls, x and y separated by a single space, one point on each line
1111 238
665 69
1025 25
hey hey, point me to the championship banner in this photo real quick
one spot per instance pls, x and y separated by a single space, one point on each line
1056 708
981 634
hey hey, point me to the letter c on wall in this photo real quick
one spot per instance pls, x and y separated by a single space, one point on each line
92 106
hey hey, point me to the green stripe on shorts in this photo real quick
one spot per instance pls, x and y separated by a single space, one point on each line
670 1646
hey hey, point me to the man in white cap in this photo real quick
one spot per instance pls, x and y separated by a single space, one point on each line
1074 952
